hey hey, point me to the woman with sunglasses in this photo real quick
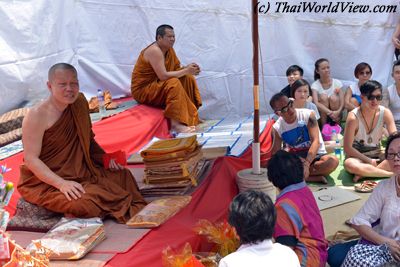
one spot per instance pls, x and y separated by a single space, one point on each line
352 97
363 132
393 94
327 93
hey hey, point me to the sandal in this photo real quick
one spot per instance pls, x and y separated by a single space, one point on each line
365 187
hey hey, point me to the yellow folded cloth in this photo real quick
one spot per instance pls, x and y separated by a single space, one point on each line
175 147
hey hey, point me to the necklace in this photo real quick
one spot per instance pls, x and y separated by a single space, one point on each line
369 129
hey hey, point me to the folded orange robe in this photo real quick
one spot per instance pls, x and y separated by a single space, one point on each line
179 97
69 150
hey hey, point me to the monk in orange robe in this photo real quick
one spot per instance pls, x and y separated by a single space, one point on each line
63 169
159 80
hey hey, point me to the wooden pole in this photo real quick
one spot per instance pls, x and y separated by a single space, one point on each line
256 122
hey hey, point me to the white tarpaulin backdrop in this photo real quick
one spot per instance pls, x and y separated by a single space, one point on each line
103 38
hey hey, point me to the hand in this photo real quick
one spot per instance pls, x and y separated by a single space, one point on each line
374 162
335 115
114 166
394 247
193 69
396 42
71 189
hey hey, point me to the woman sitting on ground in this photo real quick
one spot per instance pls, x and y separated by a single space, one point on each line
352 97
393 94
327 93
363 132
253 215
378 220
299 90
299 223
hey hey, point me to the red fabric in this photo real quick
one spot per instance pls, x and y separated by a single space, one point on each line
210 201
131 129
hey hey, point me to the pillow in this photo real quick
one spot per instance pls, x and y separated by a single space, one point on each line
12 120
10 136
32 218
158 211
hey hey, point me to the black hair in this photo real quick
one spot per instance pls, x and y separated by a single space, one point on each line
297 84
396 63
253 215
161 30
391 137
275 98
63 66
294 68
360 67
284 169
316 66
369 86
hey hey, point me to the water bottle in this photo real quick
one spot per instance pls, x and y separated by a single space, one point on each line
100 98
338 147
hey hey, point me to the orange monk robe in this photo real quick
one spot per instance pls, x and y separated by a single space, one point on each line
179 97
69 150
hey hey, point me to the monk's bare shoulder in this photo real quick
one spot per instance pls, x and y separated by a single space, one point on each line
36 119
152 52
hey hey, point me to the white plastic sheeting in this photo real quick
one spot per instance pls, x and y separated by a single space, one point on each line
103 38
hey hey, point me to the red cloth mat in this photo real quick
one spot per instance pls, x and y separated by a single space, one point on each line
210 201
131 130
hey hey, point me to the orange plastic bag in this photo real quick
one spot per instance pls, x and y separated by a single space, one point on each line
183 259
222 234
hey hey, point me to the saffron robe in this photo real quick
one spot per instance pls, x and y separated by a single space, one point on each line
179 97
69 150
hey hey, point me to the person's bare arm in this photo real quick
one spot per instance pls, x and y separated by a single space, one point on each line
33 128
276 142
396 35
313 131
347 97
389 121
156 59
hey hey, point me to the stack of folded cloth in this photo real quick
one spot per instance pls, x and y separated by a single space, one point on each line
171 166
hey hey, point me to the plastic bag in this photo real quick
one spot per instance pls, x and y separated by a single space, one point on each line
183 259
222 234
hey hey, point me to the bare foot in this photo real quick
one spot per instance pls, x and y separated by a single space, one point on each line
178 127
356 178
317 179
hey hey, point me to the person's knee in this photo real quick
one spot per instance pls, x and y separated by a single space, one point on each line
332 163
323 98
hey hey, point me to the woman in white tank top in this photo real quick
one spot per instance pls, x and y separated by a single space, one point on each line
363 133
327 93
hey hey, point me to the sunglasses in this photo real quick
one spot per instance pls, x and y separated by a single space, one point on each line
377 97
286 108
365 73
393 155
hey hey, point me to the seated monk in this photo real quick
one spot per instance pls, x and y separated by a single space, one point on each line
63 169
159 80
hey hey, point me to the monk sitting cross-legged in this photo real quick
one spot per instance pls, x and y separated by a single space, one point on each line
159 80
63 169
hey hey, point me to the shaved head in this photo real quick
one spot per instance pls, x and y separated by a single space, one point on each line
60 66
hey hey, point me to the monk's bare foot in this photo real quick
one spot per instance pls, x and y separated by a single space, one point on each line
356 178
181 128
317 179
